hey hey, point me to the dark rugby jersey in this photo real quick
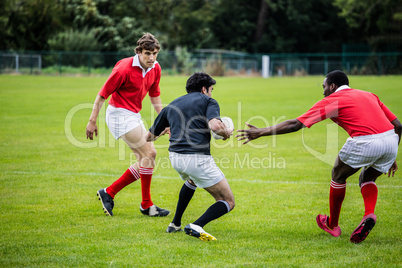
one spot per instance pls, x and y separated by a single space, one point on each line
188 117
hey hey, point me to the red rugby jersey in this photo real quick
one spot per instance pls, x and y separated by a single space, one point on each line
359 112
128 87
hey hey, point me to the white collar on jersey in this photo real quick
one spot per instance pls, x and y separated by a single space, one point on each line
136 62
342 88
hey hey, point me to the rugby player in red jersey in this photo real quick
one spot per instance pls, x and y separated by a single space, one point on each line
375 133
130 81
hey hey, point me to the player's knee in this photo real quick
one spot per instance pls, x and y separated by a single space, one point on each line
338 178
153 153
150 154
231 203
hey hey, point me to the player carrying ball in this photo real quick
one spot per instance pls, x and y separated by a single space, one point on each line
191 118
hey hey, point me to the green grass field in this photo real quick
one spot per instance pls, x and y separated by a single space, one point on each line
49 175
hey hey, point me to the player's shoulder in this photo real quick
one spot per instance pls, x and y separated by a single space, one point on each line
194 97
157 69
123 65
212 101
207 99
362 93
125 61
157 66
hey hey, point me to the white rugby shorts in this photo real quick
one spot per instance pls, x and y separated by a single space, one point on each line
378 151
120 121
201 169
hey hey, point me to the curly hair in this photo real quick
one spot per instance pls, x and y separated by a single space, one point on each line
147 42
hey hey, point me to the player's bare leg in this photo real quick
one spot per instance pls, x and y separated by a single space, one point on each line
144 151
369 174
107 195
342 171
146 154
222 191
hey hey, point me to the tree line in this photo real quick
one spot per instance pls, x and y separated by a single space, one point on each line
252 26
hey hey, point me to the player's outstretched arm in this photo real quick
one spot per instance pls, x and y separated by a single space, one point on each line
92 127
253 132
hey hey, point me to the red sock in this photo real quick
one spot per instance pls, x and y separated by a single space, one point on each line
130 176
369 192
146 177
336 196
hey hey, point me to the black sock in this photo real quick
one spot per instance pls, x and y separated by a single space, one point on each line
186 193
215 211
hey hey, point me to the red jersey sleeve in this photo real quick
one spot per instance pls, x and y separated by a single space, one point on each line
155 90
113 83
320 111
391 117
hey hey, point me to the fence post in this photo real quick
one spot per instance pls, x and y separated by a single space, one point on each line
265 66
17 62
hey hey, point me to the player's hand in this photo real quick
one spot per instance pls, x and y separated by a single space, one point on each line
91 129
393 169
166 131
151 137
228 133
248 134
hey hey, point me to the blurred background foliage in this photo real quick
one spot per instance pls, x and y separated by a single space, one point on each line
253 26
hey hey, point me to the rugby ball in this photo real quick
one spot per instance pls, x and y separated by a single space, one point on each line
228 123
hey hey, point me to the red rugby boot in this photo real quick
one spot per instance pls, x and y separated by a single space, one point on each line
322 223
364 228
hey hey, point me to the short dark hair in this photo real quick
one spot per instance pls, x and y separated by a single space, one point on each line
199 80
147 42
338 78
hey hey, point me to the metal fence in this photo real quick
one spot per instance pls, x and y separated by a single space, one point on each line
215 62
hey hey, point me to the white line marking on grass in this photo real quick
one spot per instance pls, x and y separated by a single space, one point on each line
175 178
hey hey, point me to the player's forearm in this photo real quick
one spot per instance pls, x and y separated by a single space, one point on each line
398 128
96 108
285 127
157 103
150 137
